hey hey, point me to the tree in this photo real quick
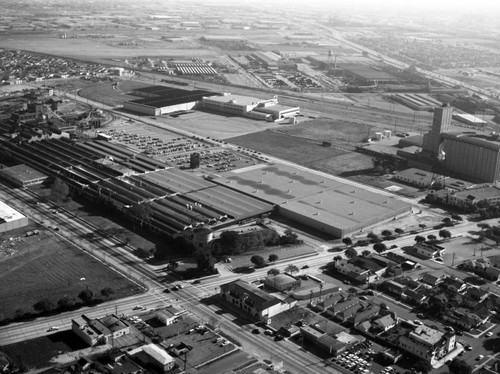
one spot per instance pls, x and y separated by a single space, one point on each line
258 261
142 212
273 258
337 258
86 296
205 262
44 305
291 269
458 366
65 303
386 233
366 253
372 235
419 239
422 226
347 242
447 221
399 231
457 217
445 234
273 271
231 242
290 237
59 190
422 366
350 253
107 292
379 247
484 226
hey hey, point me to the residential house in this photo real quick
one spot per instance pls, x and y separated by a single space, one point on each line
474 296
344 305
384 323
365 314
414 296
394 287
328 302
454 284
430 279
349 312
252 301
427 250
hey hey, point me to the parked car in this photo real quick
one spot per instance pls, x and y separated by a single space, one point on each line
197 281
53 328
256 331
305 267
488 334
417 322
479 358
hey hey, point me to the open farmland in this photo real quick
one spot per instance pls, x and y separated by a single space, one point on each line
47 266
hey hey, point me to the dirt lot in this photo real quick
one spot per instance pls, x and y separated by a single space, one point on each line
45 266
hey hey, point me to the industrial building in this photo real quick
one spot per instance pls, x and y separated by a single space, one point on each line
472 156
417 101
363 74
252 107
158 100
469 119
316 200
22 175
176 201
10 218
441 123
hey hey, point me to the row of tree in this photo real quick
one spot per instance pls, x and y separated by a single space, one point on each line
86 297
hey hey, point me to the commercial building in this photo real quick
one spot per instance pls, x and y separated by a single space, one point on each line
427 343
153 355
316 200
23 175
10 218
426 179
252 301
417 101
282 282
95 331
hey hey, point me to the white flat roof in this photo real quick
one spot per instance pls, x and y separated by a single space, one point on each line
9 214
238 99
469 117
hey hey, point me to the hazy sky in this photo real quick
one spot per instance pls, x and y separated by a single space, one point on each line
473 6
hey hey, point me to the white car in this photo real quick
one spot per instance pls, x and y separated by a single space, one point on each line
417 322
488 334
53 328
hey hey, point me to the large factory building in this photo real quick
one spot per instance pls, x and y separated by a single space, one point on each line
10 218
158 100
475 157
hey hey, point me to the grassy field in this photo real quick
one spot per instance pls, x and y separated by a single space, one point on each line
45 266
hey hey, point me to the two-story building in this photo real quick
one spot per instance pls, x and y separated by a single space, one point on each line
252 301
427 343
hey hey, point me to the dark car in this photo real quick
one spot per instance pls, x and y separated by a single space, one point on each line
256 331
197 281
305 267
167 290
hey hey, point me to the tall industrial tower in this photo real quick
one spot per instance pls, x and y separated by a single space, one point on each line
441 122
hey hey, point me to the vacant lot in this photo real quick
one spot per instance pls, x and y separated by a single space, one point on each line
46 266
37 353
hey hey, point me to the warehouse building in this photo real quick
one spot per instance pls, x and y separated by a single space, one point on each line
23 175
469 119
10 218
158 100
317 200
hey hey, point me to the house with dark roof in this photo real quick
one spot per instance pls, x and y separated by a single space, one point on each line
454 284
252 301
365 314
394 287
430 279
384 323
